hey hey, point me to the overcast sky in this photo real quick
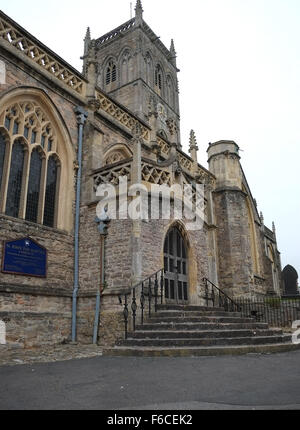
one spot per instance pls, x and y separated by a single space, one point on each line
239 80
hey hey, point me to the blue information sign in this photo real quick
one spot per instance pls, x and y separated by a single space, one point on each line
24 257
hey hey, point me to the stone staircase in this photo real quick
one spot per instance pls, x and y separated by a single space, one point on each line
180 330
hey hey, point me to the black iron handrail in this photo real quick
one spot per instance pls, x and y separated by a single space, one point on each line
219 298
149 292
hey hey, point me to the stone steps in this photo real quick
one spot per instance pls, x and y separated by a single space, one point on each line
195 314
262 340
194 331
185 308
210 351
203 319
202 326
203 334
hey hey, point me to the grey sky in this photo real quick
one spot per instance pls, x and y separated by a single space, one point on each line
239 79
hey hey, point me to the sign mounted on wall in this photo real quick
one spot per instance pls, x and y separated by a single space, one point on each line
24 257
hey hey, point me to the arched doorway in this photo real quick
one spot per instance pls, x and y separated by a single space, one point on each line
176 268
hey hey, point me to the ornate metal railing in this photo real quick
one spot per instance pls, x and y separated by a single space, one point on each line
273 310
217 297
142 301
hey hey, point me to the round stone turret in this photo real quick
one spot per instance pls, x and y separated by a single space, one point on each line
224 163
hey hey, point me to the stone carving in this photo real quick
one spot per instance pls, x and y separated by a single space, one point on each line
115 157
112 175
164 146
185 162
172 126
121 115
155 176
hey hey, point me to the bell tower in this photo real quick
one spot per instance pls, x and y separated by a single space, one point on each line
137 70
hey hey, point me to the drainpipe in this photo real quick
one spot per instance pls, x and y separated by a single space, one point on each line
102 228
81 119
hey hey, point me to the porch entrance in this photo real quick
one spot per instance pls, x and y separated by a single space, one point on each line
176 268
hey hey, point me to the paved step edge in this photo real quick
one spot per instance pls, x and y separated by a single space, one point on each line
235 341
181 314
200 351
201 333
201 319
201 326
188 308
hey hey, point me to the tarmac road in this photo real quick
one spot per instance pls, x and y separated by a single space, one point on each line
200 383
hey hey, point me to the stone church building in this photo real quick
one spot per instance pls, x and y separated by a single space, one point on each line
63 134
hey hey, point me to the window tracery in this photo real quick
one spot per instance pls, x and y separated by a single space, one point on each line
30 148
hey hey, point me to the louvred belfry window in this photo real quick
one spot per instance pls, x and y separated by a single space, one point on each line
111 73
158 79
31 189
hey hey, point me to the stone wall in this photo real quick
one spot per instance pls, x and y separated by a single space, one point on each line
118 254
234 254
37 317
59 245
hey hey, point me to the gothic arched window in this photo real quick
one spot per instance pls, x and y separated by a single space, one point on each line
34 185
148 70
2 155
14 188
31 189
170 92
111 73
51 186
127 69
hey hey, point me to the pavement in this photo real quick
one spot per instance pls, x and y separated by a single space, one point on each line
250 382
13 356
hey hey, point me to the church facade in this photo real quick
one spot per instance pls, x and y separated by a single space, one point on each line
64 134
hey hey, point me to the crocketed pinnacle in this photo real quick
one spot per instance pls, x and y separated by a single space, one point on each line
193 141
139 8
88 34
172 49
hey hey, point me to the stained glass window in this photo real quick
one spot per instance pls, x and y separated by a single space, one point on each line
26 132
2 155
50 197
7 122
33 192
15 180
16 128
43 140
33 137
24 196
